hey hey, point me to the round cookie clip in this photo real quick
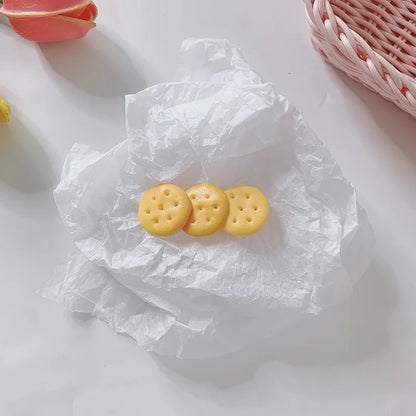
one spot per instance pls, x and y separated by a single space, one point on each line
249 211
164 210
210 210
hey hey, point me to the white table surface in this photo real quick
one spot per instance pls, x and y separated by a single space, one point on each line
358 359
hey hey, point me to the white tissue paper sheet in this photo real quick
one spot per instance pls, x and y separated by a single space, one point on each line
203 297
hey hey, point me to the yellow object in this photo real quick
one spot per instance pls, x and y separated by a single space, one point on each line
164 210
210 210
4 111
249 211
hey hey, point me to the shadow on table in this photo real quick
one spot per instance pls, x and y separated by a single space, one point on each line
24 165
348 333
398 125
95 64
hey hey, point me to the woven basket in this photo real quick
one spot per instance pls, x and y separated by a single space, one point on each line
373 41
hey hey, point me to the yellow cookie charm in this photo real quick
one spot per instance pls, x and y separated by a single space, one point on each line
210 210
4 111
249 211
164 210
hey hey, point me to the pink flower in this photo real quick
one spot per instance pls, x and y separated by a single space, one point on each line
50 20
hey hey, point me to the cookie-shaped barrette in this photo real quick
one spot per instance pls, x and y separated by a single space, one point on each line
249 211
210 210
164 210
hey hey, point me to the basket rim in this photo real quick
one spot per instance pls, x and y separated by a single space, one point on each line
312 5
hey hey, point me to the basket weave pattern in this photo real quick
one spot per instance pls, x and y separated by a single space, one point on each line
373 41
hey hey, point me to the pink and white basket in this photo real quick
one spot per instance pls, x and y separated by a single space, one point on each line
373 41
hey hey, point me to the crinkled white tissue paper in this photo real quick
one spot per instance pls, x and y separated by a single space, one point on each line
197 298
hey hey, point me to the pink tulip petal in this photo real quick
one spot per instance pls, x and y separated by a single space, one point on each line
92 9
75 13
51 28
95 10
88 13
22 8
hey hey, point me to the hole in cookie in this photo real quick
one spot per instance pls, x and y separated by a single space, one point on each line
148 211
193 196
161 207
232 196
169 218
255 208
215 206
248 219
207 196
208 219
248 196
156 221
200 207
154 198
241 208
193 221
175 204
167 192
234 220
